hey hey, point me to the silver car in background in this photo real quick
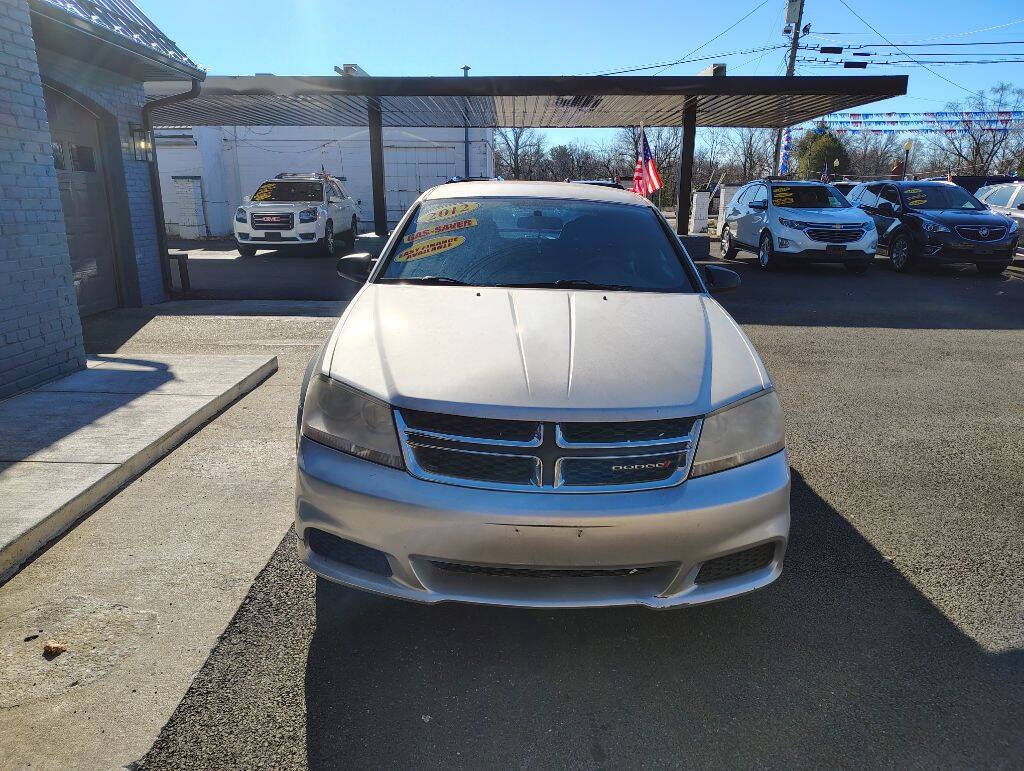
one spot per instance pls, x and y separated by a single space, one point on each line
534 401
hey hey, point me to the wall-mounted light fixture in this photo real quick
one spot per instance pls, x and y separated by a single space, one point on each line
142 142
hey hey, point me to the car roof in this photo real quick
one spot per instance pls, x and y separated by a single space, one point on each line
524 189
790 182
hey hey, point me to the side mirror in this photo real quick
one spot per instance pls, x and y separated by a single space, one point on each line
356 267
334 199
721 279
246 198
1020 206
758 205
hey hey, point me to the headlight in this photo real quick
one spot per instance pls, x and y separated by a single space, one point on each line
935 227
240 215
308 215
340 417
869 225
740 433
795 224
1014 226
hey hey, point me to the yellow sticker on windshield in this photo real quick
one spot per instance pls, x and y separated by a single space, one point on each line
782 196
913 190
263 193
437 230
917 201
430 248
447 212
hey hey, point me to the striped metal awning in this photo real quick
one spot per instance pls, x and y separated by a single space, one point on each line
519 101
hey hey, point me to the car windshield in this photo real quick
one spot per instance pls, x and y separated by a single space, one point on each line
940 197
808 197
279 190
537 242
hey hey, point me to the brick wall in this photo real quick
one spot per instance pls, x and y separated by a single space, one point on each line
40 331
123 97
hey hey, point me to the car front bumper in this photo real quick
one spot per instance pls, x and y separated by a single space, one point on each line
793 244
666 534
951 248
304 233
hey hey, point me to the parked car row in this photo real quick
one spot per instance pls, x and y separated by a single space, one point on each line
913 222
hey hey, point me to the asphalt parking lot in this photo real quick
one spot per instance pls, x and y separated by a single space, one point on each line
895 636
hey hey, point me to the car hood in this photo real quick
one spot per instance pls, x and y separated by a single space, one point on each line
546 354
278 206
977 218
851 215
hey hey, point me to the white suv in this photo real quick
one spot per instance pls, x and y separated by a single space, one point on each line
783 221
295 209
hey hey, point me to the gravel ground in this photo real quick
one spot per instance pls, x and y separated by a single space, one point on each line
894 637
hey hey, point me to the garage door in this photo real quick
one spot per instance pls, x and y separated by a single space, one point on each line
83 194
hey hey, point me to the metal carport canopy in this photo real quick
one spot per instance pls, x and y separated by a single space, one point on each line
519 101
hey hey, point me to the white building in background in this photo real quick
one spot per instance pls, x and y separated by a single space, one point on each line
206 170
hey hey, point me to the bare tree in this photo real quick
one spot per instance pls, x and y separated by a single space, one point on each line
749 151
872 155
977 148
517 152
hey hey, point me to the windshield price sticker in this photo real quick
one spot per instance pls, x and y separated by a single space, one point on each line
430 248
781 196
437 230
447 212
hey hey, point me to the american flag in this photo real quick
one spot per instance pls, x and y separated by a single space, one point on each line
646 179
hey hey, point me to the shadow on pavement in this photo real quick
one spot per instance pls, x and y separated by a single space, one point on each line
842 662
941 297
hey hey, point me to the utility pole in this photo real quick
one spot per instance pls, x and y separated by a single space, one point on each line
791 64
465 122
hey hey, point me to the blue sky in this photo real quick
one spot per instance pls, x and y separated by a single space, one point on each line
568 37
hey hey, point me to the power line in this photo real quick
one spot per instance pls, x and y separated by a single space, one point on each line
937 37
933 72
685 57
709 57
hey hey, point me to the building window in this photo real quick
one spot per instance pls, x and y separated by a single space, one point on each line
59 163
82 158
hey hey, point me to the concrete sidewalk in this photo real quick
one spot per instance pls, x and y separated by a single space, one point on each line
69 445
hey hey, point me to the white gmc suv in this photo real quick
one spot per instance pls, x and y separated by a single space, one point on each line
297 209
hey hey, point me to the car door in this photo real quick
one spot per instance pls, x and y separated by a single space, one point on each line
734 211
334 209
348 204
754 216
1016 211
887 212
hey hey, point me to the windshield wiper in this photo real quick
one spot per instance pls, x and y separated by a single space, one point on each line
425 280
569 283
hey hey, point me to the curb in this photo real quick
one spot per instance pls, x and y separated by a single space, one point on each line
14 555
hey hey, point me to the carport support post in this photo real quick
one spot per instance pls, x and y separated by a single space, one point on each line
380 212
686 166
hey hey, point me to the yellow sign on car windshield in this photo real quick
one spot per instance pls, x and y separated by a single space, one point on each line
782 196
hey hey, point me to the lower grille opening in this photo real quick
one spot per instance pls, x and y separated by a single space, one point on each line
736 564
348 552
513 572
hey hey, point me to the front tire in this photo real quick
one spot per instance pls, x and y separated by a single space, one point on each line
327 242
766 254
901 253
247 251
991 268
729 250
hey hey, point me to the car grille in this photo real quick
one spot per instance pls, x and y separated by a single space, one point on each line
974 233
534 456
735 564
842 235
514 572
272 221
